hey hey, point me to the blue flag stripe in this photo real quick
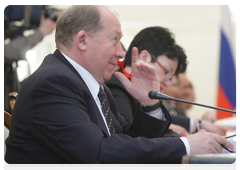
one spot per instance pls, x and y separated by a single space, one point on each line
227 71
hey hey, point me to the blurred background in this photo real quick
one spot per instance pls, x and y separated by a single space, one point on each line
196 29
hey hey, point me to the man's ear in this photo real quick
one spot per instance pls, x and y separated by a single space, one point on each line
82 40
145 56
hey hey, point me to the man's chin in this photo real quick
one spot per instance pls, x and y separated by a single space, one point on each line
107 77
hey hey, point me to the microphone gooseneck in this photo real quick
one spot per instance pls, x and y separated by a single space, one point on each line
157 95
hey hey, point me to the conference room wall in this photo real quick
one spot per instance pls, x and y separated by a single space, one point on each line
196 29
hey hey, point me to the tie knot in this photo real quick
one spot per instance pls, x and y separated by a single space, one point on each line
102 95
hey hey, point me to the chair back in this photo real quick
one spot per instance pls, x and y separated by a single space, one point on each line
12 99
7 119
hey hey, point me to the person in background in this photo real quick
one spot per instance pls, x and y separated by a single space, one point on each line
180 124
16 50
181 88
64 113
187 93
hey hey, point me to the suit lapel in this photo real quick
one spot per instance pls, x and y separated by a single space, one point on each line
99 120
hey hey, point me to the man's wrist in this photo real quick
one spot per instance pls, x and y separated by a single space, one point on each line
150 108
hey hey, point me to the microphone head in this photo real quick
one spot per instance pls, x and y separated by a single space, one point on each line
154 94
157 95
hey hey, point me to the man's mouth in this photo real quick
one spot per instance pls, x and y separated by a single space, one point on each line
113 63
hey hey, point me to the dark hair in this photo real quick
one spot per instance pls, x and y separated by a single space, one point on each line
157 41
182 59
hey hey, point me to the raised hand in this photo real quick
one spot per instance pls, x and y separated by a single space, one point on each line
144 79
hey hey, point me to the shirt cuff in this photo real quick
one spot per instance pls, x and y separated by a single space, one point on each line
192 128
186 143
159 115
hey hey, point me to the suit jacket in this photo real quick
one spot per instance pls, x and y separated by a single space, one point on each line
56 120
178 119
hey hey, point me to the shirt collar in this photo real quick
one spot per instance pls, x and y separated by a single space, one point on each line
87 77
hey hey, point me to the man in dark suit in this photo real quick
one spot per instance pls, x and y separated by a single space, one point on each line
59 118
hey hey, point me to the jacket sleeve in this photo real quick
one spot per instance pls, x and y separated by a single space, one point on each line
17 48
182 121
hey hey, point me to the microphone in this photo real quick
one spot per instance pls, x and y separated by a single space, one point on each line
157 95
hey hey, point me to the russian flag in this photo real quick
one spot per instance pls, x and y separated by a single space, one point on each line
226 94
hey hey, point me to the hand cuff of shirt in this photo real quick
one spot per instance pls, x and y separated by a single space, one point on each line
186 144
192 128
159 115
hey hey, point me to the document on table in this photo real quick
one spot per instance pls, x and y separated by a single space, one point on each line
231 122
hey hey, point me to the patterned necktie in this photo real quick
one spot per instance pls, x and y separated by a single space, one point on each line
106 109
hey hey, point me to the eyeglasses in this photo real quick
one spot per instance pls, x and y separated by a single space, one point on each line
164 69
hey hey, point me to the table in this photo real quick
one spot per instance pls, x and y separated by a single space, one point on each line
153 168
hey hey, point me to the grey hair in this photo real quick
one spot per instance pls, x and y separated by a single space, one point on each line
74 19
